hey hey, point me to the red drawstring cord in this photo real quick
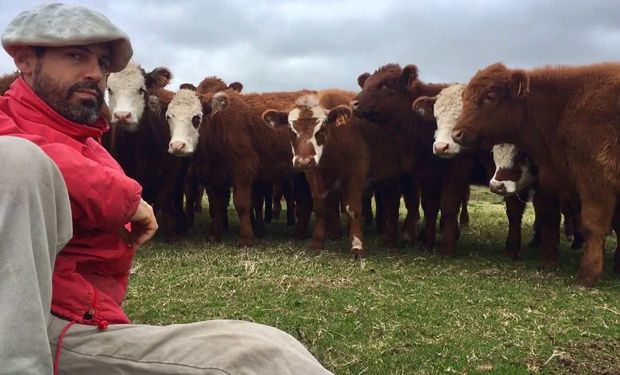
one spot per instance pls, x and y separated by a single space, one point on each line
101 324
61 338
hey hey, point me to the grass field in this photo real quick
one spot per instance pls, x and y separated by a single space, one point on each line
401 310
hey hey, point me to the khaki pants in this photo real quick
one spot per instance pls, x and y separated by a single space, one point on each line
210 347
35 224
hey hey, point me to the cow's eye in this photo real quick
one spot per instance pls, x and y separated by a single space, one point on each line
141 91
109 91
490 97
196 121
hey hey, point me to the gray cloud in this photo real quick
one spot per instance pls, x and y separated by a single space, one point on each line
287 45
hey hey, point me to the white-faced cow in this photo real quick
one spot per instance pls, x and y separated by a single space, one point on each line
329 147
139 141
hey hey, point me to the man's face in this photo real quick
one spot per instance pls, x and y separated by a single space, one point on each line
72 80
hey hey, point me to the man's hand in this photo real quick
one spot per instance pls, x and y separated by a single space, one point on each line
143 224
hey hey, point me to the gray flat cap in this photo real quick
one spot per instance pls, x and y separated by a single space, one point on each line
61 25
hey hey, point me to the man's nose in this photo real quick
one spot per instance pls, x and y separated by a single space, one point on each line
94 71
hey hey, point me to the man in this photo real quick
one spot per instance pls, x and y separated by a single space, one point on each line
64 54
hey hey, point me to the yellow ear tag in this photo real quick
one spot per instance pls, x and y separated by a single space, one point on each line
340 121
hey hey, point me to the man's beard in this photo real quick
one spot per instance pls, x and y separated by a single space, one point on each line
86 111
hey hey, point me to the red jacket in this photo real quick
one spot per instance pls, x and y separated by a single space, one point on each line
91 272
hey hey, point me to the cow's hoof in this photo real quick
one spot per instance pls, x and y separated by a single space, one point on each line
358 253
246 242
511 254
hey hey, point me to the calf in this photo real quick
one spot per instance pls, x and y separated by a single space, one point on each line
232 147
139 141
565 119
331 150
385 100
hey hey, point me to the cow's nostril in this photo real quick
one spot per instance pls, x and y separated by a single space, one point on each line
441 147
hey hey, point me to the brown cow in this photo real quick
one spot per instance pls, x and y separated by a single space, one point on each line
331 150
567 120
233 147
385 100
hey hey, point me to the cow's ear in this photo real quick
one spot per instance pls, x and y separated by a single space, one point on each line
158 78
218 103
187 86
408 76
519 84
275 118
424 106
362 79
156 105
237 86
339 115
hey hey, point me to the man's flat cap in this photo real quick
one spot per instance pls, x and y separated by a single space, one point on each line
62 25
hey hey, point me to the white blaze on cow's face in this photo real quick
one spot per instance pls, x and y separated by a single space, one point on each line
447 110
512 170
127 97
184 116
307 122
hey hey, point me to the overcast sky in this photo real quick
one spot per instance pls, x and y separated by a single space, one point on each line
287 45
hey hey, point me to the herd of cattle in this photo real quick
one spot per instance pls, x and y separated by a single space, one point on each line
553 130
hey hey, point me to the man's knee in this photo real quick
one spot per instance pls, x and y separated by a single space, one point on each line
23 163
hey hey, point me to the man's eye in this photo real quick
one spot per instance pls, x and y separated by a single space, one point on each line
105 64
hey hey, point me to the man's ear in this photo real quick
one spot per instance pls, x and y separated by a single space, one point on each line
424 106
275 118
519 84
25 59
340 115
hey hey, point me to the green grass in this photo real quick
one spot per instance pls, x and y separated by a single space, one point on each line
401 310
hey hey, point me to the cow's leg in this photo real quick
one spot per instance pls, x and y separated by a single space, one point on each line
390 197
464 216
379 213
192 195
597 211
616 227
332 216
548 215
319 205
430 207
259 197
287 191
535 241
411 196
353 208
572 222
276 199
367 207
242 199
180 223
303 205
452 195
515 206
268 203
218 203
